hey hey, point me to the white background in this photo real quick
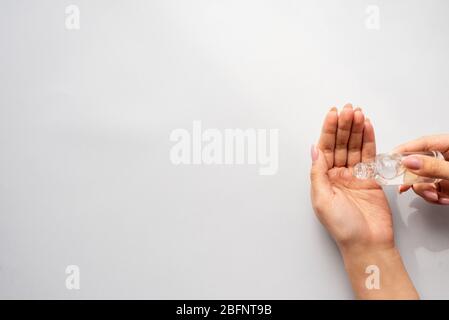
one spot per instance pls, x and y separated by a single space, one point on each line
85 118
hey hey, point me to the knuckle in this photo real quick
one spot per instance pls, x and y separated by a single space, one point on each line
435 166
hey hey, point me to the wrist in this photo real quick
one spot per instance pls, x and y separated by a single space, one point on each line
358 251
377 272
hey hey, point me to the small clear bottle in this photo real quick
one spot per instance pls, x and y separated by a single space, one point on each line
387 169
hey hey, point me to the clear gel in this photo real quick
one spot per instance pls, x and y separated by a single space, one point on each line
387 169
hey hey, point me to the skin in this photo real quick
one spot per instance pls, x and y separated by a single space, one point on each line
429 167
356 212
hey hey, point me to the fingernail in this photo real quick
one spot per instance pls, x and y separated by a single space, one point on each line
412 162
314 153
444 201
333 109
431 195
348 105
399 190
358 109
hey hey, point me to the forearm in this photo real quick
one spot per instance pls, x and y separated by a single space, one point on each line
365 266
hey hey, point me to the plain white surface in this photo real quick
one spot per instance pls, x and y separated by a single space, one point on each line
85 118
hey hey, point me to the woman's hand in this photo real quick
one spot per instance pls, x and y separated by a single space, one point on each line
356 212
428 167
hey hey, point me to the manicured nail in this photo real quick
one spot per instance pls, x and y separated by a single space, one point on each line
314 153
412 162
399 190
431 195
444 201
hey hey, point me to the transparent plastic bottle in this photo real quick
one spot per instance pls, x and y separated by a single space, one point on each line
387 169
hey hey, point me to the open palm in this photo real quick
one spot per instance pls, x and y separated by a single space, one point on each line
353 211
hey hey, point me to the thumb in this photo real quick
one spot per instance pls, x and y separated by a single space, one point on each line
426 166
321 186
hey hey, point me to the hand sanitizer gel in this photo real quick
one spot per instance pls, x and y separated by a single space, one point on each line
387 169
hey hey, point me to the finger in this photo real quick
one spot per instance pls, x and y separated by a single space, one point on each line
428 143
356 138
430 192
343 133
427 191
369 142
443 188
328 136
320 184
404 188
443 192
426 166
433 194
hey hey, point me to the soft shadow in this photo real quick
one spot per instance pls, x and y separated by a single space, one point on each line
429 225
418 224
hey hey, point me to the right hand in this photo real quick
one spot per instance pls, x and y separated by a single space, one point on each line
428 167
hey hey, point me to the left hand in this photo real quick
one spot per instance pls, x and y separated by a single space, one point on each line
355 212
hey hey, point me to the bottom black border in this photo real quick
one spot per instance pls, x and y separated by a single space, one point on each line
233 309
